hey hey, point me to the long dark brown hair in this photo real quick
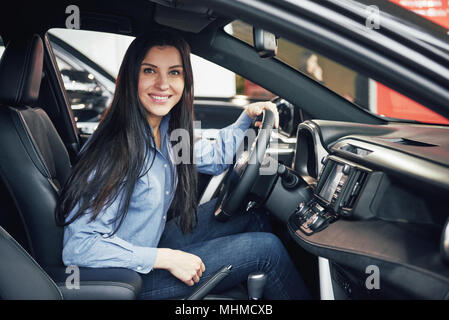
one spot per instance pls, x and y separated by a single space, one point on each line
121 150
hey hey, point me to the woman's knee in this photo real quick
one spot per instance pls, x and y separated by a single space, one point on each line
269 240
267 245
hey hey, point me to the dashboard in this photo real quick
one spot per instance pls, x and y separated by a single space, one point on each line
377 196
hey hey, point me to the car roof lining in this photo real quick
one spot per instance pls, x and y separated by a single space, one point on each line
108 16
182 19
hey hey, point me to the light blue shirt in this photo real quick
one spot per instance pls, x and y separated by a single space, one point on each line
134 245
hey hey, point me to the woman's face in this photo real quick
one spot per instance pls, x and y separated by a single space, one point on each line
161 81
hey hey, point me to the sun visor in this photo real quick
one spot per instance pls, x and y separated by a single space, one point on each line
193 20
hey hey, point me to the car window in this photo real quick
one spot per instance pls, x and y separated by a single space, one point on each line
355 87
87 71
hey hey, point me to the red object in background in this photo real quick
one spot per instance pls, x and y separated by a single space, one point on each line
392 104
255 91
436 11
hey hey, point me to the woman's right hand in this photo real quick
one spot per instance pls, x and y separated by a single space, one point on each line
185 266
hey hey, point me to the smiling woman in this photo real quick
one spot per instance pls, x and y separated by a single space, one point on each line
114 205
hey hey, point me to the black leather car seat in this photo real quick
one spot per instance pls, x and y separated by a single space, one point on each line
34 164
21 278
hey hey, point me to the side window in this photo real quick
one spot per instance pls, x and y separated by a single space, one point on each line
357 88
89 63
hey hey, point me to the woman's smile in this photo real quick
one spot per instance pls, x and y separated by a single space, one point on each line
160 99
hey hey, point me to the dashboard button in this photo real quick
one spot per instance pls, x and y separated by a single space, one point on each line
317 223
356 189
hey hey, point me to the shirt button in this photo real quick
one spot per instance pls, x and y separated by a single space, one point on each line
105 235
139 268
165 165
164 217
166 192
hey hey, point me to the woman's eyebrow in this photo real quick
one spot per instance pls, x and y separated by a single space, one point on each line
152 65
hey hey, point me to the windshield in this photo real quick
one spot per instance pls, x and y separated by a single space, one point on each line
350 84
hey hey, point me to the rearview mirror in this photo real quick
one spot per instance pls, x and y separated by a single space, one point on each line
265 43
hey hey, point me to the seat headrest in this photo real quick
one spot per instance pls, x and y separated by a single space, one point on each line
21 71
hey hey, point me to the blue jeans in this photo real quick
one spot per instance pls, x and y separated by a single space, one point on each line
243 242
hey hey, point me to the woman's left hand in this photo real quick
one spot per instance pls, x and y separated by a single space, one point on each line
256 108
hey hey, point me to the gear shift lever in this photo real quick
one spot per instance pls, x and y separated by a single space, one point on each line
256 284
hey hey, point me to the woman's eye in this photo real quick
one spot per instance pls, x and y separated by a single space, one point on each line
175 72
148 70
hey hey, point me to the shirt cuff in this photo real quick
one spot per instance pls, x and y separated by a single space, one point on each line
143 259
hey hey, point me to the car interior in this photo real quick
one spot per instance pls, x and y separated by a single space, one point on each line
358 196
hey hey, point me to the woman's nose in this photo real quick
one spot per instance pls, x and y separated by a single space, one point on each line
162 82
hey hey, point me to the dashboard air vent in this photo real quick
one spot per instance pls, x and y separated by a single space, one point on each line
354 189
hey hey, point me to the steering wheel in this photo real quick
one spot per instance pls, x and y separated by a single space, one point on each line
243 174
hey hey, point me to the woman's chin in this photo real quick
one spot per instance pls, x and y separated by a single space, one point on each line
158 112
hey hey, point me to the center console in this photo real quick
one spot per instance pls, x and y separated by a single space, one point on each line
339 185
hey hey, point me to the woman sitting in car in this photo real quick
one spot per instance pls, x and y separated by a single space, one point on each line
114 205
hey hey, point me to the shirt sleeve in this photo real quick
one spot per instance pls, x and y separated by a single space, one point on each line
88 244
214 157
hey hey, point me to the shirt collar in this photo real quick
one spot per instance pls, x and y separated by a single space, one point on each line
163 126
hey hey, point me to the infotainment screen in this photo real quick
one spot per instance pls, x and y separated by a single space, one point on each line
331 183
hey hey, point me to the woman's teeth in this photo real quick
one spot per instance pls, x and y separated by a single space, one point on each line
159 97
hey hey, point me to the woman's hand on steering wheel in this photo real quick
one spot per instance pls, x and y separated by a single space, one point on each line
243 174
255 109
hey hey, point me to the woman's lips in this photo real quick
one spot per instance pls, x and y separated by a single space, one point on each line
159 99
